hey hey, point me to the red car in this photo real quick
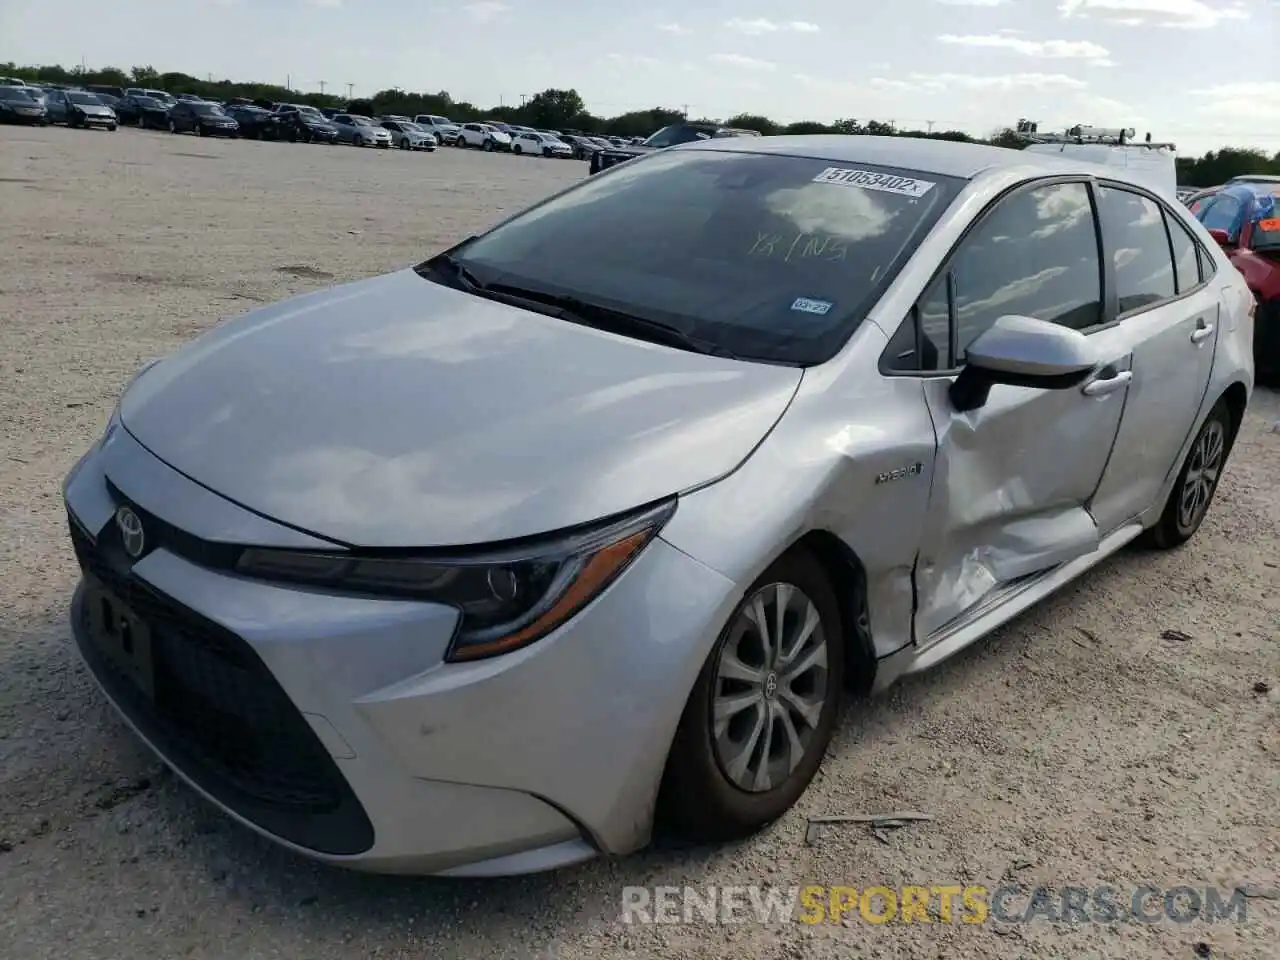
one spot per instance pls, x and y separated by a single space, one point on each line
1244 217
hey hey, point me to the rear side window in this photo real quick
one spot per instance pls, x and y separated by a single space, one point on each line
1221 212
1186 262
1035 255
1133 226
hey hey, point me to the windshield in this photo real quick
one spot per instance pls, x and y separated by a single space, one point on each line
408 127
146 102
772 258
207 109
311 112
362 121
86 98
14 93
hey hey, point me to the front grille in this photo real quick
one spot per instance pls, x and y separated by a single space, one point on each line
219 715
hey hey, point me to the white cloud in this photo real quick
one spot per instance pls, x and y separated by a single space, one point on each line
1184 14
673 28
485 11
633 59
746 63
1047 49
941 82
325 4
974 3
760 26
1249 101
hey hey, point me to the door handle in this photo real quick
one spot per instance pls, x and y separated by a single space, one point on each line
1105 385
1203 330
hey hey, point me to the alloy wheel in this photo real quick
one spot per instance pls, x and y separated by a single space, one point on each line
769 689
1203 470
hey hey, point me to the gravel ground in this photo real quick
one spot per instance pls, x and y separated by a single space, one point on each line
1075 747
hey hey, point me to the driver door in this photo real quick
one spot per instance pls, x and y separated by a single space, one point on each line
1014 477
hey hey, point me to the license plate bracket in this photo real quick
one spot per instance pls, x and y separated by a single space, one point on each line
121 636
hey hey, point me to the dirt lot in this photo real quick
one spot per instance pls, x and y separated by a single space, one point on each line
1077 747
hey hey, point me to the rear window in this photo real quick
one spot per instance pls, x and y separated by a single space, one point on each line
773 258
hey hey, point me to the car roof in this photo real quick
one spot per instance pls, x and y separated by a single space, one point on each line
948 158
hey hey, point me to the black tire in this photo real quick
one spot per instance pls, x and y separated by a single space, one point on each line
1177 525
200 132
357 141
488 146
517 150
404 143
697 799
111 128
173 127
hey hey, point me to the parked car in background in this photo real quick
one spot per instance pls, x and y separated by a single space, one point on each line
202 118
160 96
1244 218
1201 197
484 136
540 144
12 82
300 121
115 93
445 130
79 108
254 122
146 112
407 135
17 105
360 131
583 147
190 97
670 136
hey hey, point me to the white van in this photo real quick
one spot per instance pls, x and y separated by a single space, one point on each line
1155 163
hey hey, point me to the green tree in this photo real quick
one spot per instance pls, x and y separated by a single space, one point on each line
753 121
554 109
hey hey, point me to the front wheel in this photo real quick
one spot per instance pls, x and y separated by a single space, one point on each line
488 145
1197 482
763 709
173 127
357 141
517 149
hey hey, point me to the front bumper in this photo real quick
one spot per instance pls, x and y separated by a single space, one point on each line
332 725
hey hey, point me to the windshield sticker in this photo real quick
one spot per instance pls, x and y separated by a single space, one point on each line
869 180
789 247
805 305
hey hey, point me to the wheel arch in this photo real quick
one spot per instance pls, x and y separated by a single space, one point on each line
848 577
1236 398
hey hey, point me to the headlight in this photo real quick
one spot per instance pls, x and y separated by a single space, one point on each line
508 598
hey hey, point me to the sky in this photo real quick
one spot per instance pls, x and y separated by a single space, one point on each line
1200 73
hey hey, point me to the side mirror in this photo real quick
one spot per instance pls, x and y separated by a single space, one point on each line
1221 236
1022 352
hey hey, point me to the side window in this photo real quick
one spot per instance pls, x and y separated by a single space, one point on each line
1035 255
1134 228
922 343
1186 259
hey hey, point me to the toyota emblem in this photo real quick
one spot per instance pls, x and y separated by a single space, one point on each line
131 534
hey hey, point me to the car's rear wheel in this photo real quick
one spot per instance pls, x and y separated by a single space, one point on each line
762 710
357 141
517 149
173 127
1197 482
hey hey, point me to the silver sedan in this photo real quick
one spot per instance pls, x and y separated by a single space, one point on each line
590 522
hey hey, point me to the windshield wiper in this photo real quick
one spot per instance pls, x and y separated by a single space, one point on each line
444 263
600 317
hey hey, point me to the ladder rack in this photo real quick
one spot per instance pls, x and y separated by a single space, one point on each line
1084 133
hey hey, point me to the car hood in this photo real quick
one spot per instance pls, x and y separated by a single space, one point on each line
397 412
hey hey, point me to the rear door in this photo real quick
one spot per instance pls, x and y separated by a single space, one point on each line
1169 316
1013 478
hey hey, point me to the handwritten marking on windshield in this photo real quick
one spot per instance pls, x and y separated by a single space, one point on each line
800 246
